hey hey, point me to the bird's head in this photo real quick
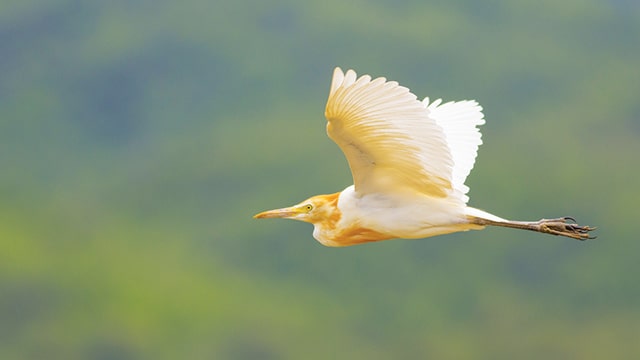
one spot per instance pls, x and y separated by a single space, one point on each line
316 209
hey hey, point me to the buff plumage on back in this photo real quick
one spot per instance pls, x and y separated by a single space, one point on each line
397 143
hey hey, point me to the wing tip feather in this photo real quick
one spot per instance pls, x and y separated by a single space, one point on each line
337 79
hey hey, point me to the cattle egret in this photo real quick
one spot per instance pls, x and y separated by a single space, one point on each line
409 160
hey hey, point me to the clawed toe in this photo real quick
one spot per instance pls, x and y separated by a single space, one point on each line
562 227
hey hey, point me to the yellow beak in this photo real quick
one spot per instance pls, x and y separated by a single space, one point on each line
279 213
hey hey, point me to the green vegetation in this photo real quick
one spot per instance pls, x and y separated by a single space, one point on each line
138 138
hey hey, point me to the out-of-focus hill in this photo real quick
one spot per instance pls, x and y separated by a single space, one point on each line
138 138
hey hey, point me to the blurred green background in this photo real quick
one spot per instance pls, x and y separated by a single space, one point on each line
137 139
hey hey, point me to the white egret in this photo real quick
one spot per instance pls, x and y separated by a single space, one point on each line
409 160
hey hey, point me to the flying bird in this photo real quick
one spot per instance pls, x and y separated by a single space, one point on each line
409 160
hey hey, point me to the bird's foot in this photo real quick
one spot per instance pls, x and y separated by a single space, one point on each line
565 226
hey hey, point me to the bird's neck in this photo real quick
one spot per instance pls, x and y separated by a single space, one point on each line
326 219
328 212
334 226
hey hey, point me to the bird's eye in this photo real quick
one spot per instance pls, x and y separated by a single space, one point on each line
308 207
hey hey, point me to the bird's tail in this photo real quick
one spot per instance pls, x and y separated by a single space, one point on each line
473 213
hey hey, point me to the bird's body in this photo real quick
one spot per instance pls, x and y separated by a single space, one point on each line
409 160
373 217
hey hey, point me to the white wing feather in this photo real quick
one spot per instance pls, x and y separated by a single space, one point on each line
459 121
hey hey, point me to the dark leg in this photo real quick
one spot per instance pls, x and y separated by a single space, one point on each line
564 226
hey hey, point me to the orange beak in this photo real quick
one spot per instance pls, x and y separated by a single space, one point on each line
279 213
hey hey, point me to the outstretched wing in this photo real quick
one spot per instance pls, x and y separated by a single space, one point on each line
390 141
459 121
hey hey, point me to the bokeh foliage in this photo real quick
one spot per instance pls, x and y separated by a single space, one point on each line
137 138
